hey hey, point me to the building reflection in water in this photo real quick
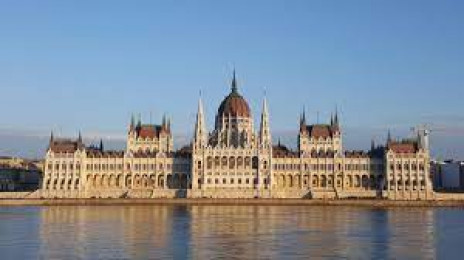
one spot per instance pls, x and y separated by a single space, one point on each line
238 232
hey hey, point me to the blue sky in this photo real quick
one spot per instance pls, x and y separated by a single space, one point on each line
87 65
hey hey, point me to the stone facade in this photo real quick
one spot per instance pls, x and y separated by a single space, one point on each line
235 161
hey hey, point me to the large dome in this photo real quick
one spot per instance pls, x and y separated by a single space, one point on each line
234 104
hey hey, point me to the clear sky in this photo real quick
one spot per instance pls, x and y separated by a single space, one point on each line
87 65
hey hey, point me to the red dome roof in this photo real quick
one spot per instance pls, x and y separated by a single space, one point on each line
234 104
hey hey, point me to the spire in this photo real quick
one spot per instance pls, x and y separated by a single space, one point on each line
389 138
164 121
372 144
265 132
132 122
234 83
303 117
336 116
79 139
51 137
101 145
331 119
303 120
200 129
139 123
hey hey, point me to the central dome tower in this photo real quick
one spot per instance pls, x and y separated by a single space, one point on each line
234 105
234 123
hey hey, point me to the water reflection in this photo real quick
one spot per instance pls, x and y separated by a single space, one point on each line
232 232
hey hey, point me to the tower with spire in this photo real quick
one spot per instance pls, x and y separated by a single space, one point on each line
200 137
320 139
149 138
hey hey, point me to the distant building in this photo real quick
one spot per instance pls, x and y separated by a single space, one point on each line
448 175
17 174
235 160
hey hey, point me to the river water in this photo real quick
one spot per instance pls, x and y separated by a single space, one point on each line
230 232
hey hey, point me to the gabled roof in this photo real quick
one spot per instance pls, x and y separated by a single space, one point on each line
65 145
320 130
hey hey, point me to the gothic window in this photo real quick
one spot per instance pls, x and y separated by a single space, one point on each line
231 163
247 162
239 162
217 162
209 162
330 167
224 162
255 162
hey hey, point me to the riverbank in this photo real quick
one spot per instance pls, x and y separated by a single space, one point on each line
229 202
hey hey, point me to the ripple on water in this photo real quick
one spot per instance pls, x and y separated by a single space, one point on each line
229 232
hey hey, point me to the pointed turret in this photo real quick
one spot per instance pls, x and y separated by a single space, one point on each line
200 128
303 120
139 123
101 145
265 132
389 138
79 139
336 122
51 137
163 123
372 144
234 83
132 122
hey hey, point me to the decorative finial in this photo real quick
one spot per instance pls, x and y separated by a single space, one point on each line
132 123
234 83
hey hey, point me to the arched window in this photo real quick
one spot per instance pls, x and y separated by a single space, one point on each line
231 163
224 162
247 162
239 162
255 162
217 162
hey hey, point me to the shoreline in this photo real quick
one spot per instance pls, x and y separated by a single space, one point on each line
232 202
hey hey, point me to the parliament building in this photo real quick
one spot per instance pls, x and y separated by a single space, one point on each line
238 160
